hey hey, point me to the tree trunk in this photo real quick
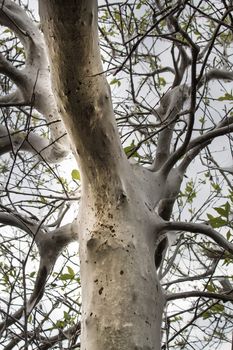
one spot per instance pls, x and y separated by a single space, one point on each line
122 301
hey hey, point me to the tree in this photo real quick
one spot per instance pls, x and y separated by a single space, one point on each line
173 62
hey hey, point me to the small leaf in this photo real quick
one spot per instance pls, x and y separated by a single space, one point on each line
67 317
211 288
115 81
217 308
216 222
75 174
216 187
227 208
226 97
162 81
221 211
59 324
71 271
206 315
131 150
65 277
229 235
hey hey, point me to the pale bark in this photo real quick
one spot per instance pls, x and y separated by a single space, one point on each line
122 301
33 85
50 245
121 220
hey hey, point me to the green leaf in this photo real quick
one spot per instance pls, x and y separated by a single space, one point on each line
221 211
43 200
206 315
211 288
162 81
75 174
227 208
131 150
216 222
217 308
202 120
67 317
226 97
190 192
216 187
66 276
229 235
60 324
30 318
224 210
71 271
115 81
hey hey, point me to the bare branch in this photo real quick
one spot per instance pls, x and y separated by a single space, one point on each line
33 82
171 105
198 294
50 245
47 342
198 228
30 142
216 74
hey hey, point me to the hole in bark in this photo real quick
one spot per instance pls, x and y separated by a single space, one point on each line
121 272
101 290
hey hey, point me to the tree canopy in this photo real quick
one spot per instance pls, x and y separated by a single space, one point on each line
169 68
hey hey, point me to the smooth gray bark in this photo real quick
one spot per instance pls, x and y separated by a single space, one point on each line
122 301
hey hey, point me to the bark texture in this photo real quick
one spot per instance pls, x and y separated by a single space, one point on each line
122 300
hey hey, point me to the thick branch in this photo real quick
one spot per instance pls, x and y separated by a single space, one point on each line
82 90
198 228
33 82
29 142
50 245
216 74
10 71
170 106
172 160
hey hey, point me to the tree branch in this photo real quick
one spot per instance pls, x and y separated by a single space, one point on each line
46 149
170 106
198 294
216 74
198 228
33 82
50 245
47 342
82 91
209 136
171 161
